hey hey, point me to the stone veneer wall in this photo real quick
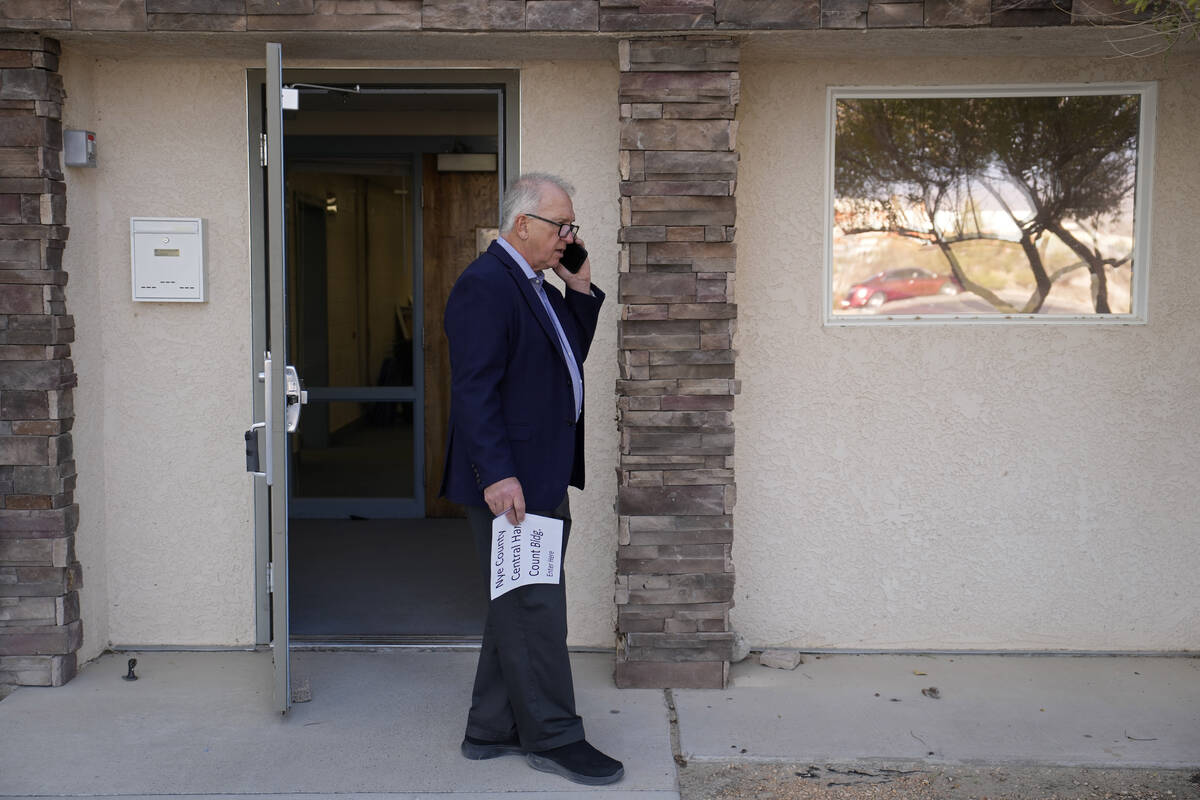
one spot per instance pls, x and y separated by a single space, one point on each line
619 16
675 394
40 630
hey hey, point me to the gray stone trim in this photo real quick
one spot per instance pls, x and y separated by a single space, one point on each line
609 16
40 629
675 492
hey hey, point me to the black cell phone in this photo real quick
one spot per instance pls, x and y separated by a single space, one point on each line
573 257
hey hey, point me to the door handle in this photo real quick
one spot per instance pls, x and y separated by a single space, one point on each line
295 395
252 459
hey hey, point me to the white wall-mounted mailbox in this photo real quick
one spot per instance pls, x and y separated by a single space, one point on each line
168 259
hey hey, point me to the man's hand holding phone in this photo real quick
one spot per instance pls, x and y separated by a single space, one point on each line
575 268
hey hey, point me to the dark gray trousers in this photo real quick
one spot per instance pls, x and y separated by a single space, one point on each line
523 683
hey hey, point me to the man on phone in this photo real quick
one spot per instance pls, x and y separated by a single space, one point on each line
515 443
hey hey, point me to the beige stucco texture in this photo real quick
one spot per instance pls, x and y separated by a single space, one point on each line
938 486
569 126
166 536
1011 487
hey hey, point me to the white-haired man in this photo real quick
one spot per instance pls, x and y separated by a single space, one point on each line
515 443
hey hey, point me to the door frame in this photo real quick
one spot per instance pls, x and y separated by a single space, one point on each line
431 80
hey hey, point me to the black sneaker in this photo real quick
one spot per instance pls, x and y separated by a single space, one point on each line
478 749
578 762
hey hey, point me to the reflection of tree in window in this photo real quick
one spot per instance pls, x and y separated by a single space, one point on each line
1051 174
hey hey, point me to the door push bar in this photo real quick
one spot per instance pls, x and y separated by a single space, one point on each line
294 396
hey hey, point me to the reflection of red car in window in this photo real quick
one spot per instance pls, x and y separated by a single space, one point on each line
896 284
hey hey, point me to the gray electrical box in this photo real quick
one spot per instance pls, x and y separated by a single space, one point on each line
168 259
79 148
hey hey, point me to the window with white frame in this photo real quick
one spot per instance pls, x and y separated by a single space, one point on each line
1018 204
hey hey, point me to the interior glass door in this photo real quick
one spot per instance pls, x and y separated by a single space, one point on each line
355 313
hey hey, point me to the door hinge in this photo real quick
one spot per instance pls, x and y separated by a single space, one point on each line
270 578
262 149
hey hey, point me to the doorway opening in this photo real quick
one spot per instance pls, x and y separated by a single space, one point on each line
390 190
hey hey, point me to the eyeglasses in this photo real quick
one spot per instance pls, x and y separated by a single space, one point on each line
565 229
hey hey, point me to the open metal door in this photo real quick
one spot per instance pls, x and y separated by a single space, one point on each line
276 202
282 393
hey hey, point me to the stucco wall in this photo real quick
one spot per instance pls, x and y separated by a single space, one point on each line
960 487
166 533
575 134
1007 487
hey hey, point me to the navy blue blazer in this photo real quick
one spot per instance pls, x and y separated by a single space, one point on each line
512 407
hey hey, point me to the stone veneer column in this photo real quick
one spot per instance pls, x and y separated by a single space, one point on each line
676 388
40 629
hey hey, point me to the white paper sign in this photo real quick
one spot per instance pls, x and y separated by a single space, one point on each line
527 553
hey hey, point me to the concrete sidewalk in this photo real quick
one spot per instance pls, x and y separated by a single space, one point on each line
389 723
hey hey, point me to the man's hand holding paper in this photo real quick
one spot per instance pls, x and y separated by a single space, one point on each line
527 553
